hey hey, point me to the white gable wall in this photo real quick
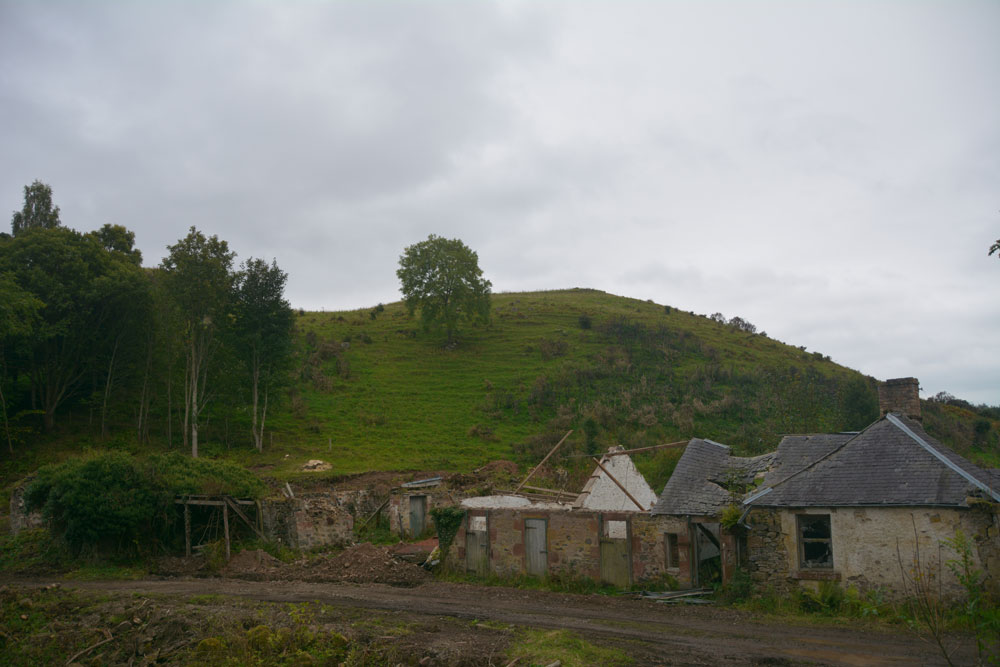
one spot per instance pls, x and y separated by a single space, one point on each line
604 495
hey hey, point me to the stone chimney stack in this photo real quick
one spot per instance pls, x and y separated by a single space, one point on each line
900 395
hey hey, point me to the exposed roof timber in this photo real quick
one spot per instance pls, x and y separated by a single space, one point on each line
682 443
941 457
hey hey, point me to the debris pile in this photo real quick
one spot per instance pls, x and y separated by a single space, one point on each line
363 563
256 561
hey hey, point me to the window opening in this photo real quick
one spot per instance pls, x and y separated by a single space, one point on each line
673 550
815 543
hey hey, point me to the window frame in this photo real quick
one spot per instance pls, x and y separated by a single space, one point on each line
800 523
671 545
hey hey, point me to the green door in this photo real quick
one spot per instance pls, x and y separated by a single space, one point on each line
615 557
536 547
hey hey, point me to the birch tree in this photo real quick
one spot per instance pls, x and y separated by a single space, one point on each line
199 280
263 335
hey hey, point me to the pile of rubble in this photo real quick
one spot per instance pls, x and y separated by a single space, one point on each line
363 563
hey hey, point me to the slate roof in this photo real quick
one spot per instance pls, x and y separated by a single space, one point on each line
893 462
795 452
696 486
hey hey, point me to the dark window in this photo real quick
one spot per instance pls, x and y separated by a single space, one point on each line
673 550
815 543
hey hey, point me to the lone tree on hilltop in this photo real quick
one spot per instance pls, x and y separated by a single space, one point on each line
38 212
442 278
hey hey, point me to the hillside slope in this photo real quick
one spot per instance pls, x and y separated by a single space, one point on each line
375 392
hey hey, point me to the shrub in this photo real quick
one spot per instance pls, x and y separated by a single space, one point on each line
119 503
584 321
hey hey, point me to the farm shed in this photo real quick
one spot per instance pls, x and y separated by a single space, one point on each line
600 533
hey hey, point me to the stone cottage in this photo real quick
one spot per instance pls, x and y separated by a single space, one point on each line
873 508
866 508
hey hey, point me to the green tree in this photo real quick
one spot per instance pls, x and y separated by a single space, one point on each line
441 277
18 314
38 212
263 326
115 238
199 280
80 287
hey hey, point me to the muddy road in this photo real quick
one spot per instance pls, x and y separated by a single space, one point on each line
653 633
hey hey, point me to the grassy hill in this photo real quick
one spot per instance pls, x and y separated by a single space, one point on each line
374 392
378 393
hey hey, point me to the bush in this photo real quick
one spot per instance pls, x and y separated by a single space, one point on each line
114 502
584 321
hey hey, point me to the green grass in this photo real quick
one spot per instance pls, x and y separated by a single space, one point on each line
543 647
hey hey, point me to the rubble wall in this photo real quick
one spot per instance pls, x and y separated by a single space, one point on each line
865 542
506 531
308 521
648 547
20 517
574 545
573 542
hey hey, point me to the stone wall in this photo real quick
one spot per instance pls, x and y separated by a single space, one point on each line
308 521
865 543
649 560
573 541
20 517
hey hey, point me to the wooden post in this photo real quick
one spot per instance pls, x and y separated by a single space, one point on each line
225 527
187 530
624 490
543 461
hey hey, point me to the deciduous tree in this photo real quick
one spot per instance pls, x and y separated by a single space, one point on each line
79 285
199 280
263 334
441 277
38 212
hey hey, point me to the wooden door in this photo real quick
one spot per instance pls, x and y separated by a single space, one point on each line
615 563
476 559
536 547
615 556
418 515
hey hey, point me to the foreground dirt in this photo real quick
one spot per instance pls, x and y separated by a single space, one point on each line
651 633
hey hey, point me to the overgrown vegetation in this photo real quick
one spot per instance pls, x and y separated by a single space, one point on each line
447 521
122 504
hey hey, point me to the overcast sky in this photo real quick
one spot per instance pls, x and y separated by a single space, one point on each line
827 171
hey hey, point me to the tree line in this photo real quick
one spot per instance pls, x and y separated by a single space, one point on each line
84 325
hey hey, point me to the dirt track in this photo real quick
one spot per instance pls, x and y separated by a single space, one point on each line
653 633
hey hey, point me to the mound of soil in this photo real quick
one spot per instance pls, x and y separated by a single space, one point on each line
361 564
256 561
